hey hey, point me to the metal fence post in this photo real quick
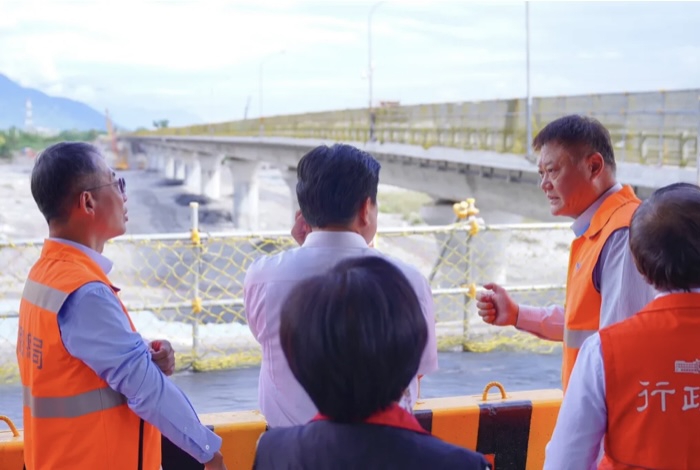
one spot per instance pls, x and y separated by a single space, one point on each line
474 228
469 276
467 211
196 268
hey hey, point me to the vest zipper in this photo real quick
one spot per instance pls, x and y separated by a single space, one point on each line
140 467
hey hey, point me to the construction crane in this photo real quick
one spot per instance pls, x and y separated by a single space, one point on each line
121 160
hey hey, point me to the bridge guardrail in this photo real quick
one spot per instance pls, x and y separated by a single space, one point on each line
651 127
187 287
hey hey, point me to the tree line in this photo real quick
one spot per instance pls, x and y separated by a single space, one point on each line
15 140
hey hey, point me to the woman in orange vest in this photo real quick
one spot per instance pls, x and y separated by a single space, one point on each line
637 383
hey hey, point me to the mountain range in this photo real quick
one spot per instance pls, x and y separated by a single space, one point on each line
48 112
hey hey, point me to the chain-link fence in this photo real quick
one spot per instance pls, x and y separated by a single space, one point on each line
188 287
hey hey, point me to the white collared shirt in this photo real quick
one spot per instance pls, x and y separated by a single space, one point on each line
268 282
583 417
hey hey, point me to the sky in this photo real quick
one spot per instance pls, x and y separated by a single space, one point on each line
200 61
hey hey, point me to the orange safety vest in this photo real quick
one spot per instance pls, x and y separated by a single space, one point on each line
652 386
72 418
583 301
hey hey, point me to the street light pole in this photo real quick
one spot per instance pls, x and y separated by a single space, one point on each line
528 105
260 98
260 89
370 70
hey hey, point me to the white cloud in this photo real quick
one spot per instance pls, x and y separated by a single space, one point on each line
174 37
204 56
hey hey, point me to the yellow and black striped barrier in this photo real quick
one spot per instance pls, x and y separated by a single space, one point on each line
11 445
511 429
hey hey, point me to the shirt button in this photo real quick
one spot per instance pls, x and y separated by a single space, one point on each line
206 446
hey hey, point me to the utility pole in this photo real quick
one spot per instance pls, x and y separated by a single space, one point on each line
247 106
528 104
370 71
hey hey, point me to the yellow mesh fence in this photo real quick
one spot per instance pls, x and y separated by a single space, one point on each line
188 289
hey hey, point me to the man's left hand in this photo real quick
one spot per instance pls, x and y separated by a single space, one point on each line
163 355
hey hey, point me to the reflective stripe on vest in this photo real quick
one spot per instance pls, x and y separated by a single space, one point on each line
72 406
575 338
42 296
65 399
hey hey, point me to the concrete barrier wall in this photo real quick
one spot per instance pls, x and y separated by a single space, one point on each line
511 431
654 127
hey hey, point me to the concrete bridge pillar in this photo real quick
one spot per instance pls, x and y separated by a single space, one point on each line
152 162
155 162
193 176
170 167
246 194
290 177
160 162
179 169
210 185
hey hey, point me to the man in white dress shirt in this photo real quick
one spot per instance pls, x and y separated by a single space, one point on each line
337 193
577 170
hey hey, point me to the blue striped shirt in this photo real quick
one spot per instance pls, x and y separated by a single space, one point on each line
95 330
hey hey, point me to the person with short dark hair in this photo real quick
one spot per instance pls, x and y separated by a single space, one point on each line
96 394
353 338
582 135
638 382
577 170
335 183
337 192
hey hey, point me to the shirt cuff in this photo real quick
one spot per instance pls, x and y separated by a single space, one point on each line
211 447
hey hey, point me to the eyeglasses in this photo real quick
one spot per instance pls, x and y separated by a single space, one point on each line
121 183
